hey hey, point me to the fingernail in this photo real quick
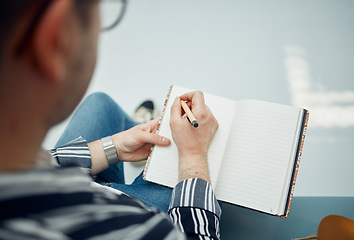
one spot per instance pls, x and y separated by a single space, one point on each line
176 99
164 140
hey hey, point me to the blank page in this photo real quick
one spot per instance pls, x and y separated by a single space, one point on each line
258 155
162 165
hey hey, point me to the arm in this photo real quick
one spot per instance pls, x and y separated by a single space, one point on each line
193 143
194 207
195 210
131 145
74 153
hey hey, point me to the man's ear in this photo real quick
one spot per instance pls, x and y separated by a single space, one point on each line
49 41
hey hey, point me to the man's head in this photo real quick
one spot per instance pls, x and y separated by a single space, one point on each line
51 40
55 41
48 54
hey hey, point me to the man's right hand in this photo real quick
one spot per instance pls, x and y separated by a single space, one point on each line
193 143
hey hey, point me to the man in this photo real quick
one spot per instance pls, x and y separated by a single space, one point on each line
48 53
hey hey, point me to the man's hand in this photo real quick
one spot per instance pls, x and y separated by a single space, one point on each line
135 143
193 143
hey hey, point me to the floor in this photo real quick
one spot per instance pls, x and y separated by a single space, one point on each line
297 53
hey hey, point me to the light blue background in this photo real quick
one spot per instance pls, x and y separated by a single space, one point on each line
292 52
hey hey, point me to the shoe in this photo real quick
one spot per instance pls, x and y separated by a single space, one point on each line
145 112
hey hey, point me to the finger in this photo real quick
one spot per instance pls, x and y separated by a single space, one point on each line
149 125
154 128
153 138
153 123
188 96
176 109
189 104
196 98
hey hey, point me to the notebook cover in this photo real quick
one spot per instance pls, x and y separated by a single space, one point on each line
157 130
297 162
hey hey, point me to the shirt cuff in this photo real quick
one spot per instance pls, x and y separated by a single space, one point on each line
197 193
74 153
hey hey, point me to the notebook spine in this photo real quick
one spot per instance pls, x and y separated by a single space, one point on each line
157 130
297 162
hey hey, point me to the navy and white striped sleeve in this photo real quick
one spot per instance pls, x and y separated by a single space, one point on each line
74 153
195 210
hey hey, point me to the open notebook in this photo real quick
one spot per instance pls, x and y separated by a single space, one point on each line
253 159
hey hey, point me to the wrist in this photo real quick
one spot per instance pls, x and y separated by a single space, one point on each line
193 166
198 156
98 157
110 150
118 145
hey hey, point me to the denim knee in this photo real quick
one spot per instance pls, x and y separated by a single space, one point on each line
101 103
98 98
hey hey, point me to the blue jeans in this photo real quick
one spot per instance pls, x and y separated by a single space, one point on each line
99 116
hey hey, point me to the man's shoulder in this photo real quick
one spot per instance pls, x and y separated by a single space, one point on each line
64 202
35 190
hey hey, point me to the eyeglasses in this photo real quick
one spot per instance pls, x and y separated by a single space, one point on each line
111 14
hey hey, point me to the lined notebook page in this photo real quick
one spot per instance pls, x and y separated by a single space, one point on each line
258 155
163 162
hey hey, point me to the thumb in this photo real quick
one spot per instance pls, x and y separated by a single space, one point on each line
153 138
176 111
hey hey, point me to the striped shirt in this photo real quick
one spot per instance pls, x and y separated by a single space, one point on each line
64 203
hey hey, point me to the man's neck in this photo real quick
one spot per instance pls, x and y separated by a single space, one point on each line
20 142
25 112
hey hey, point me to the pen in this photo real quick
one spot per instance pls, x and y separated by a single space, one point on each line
189 113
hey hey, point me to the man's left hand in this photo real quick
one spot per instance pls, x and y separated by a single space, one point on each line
134 144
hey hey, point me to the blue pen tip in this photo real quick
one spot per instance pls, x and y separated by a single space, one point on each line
195 124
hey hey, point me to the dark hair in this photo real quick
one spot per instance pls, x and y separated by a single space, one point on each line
11 11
